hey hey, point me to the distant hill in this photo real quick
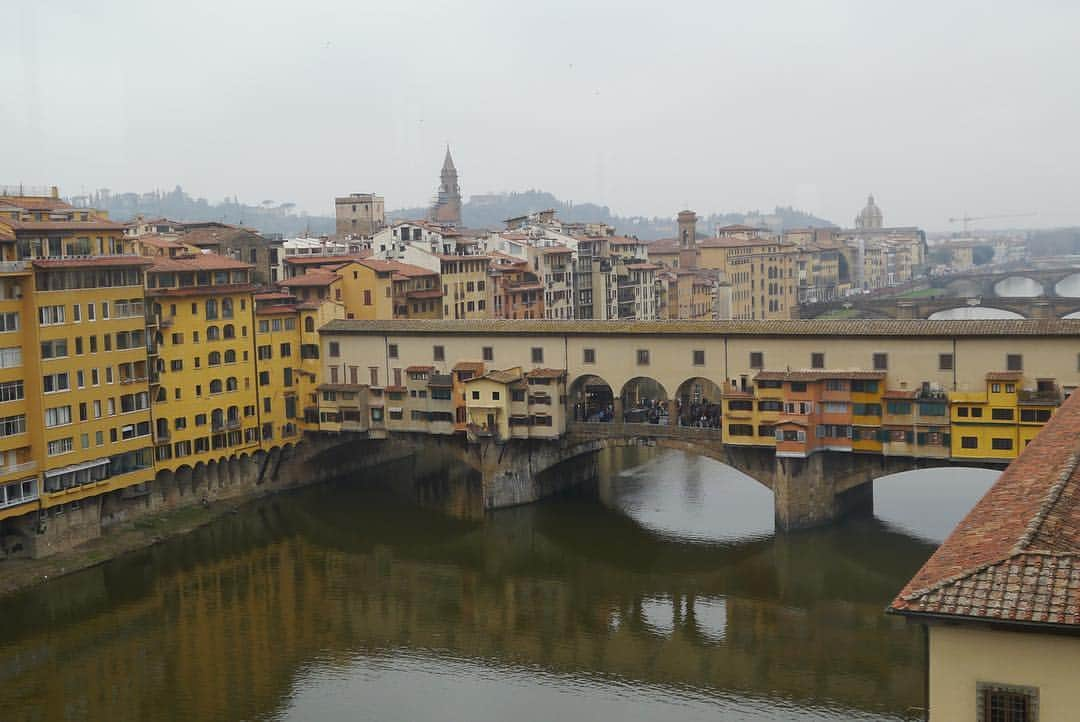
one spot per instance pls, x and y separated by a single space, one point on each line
480 211
1054 242
489 211
266 217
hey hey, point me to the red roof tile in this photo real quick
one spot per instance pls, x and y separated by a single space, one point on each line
817 375
1016 556
197 262
546 373
313 278
108 261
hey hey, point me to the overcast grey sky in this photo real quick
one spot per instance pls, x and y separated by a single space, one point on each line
935 107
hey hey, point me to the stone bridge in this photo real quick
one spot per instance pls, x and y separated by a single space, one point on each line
1012 283
1039 307
807 492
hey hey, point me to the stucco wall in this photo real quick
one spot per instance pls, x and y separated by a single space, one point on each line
961 657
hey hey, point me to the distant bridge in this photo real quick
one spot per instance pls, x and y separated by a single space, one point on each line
1040 307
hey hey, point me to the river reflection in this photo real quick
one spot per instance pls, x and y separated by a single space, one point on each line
661 594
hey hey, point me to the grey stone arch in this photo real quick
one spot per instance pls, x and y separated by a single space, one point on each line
591 398
643 399
1004 313
694 397
1018 286
1069 286
964 288
198 476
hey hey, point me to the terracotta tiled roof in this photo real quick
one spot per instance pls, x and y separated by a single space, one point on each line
215 290
425 293
197 262
275 309
831 329
664 245
419 369
213 235
313 278
1004 375
474 366
325 260
159 242
341 387
91 224
36 203
272 296
546 373
107 261
642 266
899 394
1016 556
817 375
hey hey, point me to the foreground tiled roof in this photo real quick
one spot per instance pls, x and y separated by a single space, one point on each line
197 262
809 327
1016 556
546 373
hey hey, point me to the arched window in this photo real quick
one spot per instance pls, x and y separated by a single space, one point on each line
229 331
211 309
226 308
231 384
213 333
217 419
214 358
215 386
230 356
309 324
234 413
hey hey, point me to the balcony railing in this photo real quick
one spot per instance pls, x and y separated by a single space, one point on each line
14 266
18 468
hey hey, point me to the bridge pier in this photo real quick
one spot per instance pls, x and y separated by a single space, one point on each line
822 488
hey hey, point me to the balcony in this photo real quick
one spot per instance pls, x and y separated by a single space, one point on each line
14 266
18 468
162 437
1042 397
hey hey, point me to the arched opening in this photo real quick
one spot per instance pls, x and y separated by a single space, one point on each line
226 308
230 356
229 331
1074 314
644 401
1068 287
698 403
215 386
1018 287
214 358
309 324
213 333
592 399
231 384
972 312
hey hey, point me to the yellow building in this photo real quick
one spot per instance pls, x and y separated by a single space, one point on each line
985 424
206 385
371 289
75 423
464 281
761 271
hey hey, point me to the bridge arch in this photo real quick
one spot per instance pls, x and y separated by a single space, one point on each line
1018 287
591 399
695 398
1068 287
644 399
973 312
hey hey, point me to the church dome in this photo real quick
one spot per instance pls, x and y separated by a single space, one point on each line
870 216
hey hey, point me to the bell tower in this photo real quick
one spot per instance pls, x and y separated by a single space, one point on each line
688 251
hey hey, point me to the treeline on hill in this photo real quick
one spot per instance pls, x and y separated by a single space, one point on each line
265 217
489 211
1054 242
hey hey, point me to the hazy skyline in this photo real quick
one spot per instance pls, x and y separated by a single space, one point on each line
936 108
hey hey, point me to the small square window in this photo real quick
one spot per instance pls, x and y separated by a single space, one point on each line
1014 362
945 362
537 355
438 353
476 395
643 357
489 353
392 351
335 349
817 360
699 357
589 356
757 359
881 361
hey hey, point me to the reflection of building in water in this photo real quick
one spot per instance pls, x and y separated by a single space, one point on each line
217 634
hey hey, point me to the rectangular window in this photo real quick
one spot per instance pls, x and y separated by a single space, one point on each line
757 359
265 352
61 446
945 362
1001 414
1040 416
1001 703
55 382
10 357
335 349
57 416
817 360
286 350
699 357
898 408
9 321
1014 362
11 425
438 353
54 349
798 386
537 355
969 442
642 357
976 412
1001 444
488 353
881 361
392 351
589 356
50 315
11 391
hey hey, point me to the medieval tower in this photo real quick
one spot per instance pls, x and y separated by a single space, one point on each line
447 206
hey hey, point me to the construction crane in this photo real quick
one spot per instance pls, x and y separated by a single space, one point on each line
965 219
